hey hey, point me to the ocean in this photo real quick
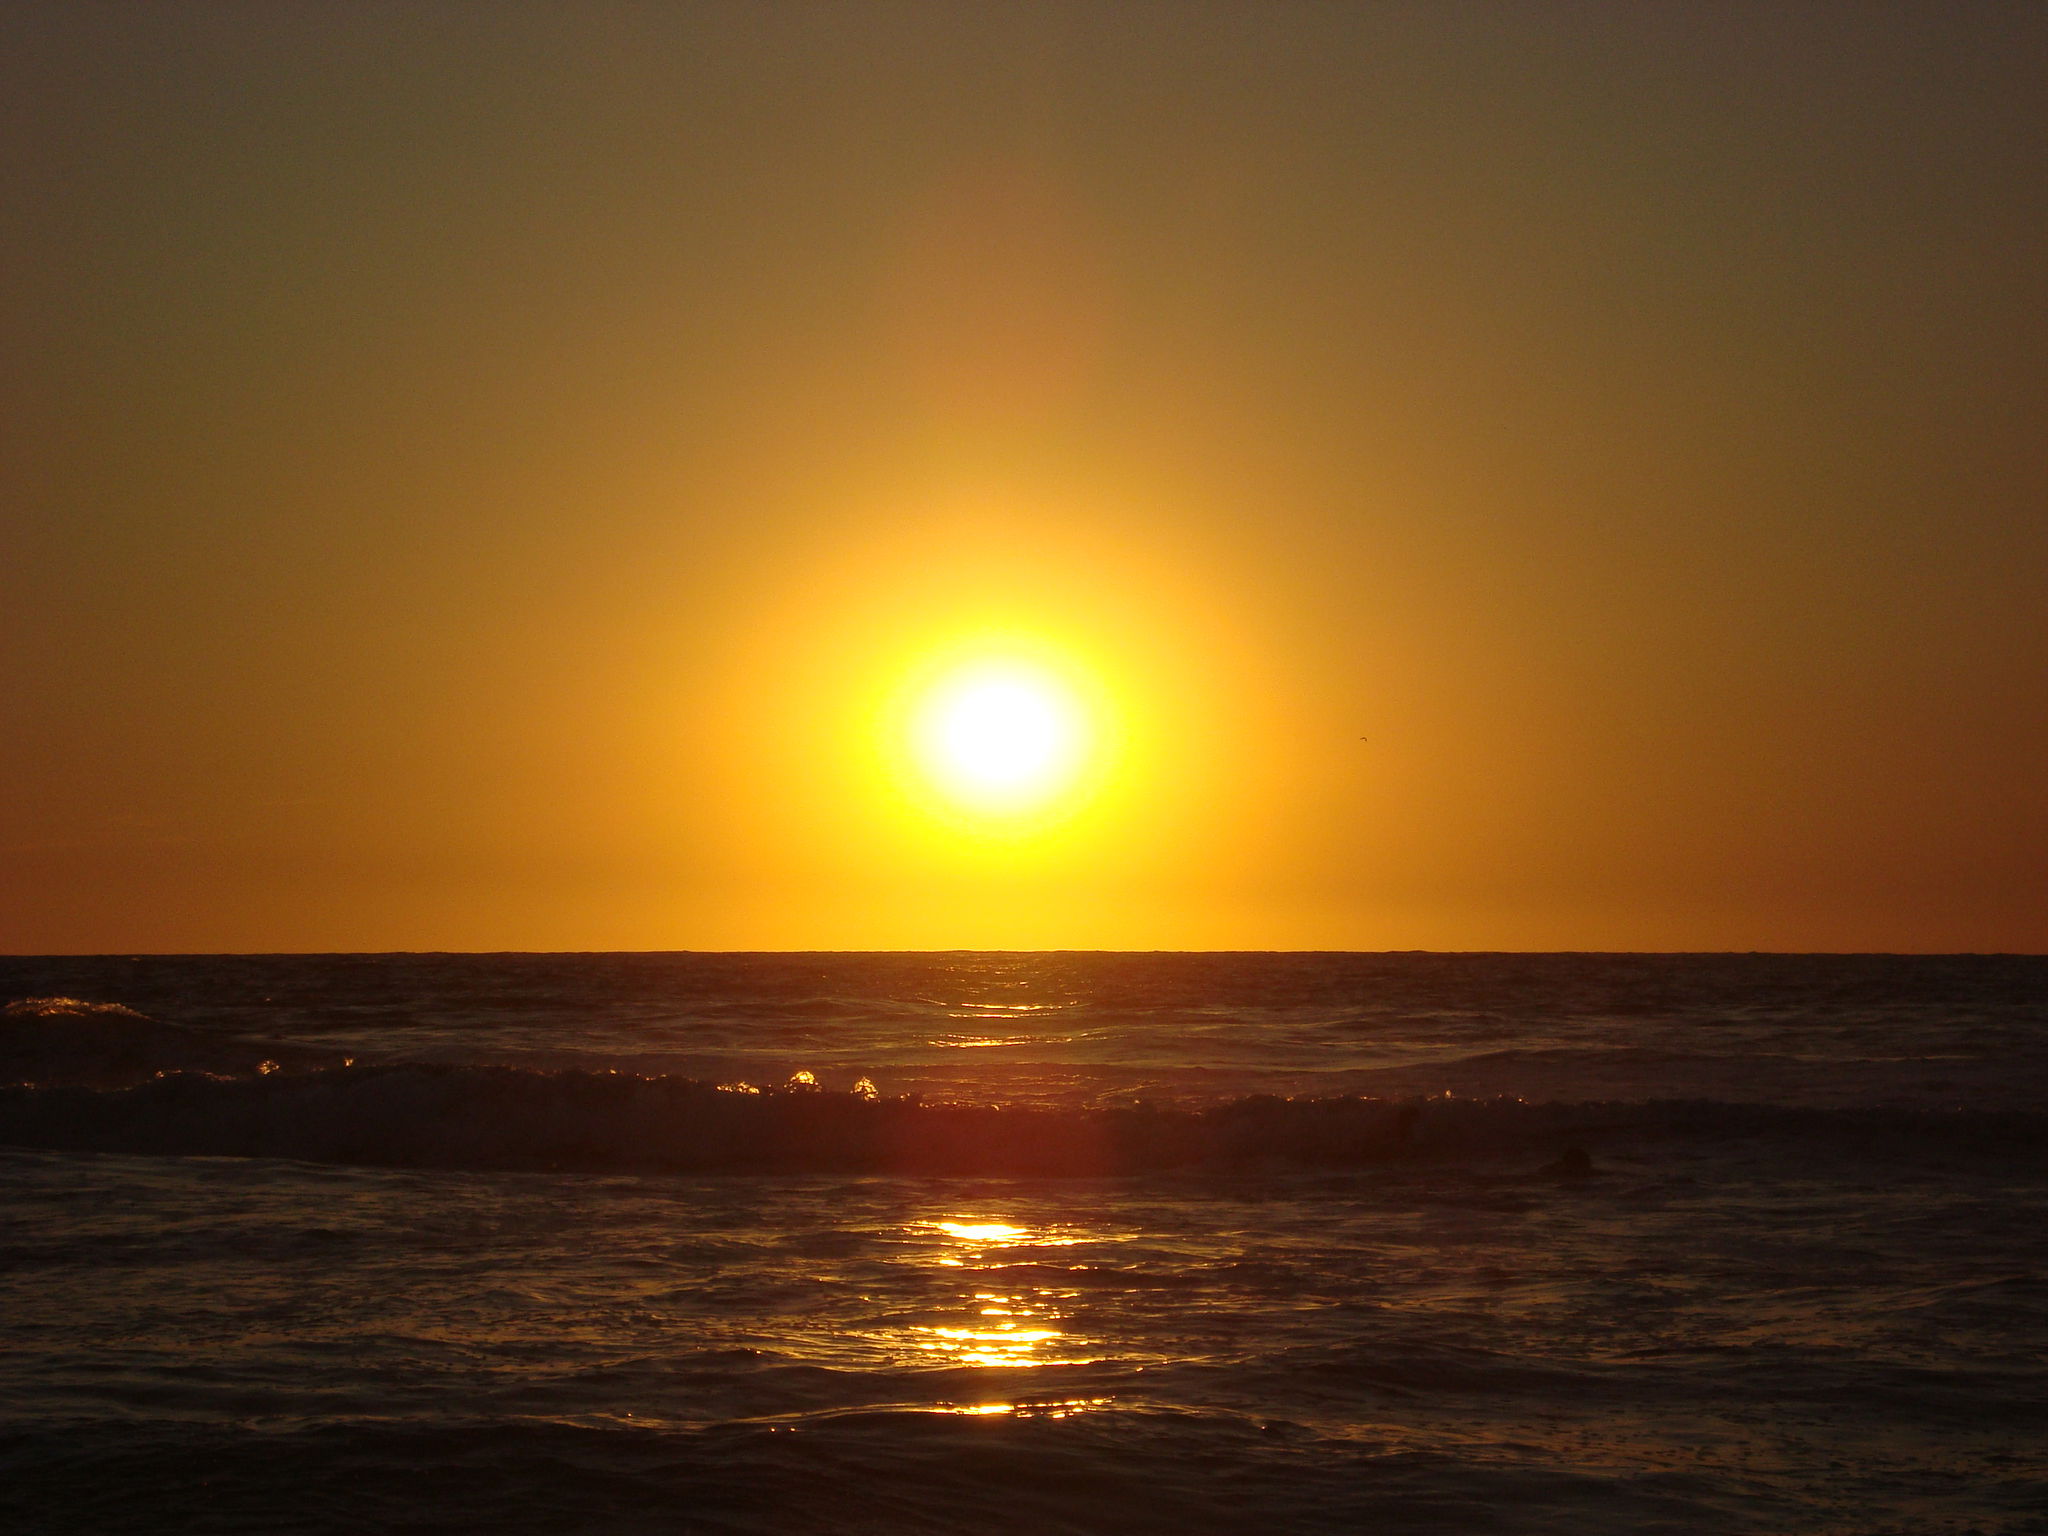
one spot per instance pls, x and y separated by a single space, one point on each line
1046 1243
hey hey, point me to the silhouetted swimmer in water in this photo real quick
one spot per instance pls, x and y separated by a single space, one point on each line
1574 1163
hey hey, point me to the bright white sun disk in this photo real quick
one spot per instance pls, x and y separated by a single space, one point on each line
1000 736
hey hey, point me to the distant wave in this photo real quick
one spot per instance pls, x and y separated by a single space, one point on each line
1608 1071
69 1041
421 1115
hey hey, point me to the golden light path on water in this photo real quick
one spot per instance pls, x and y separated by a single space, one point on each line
1012 1326
1002 1325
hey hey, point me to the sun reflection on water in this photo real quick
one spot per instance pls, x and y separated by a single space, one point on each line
1060 1409
1014 1326
982 1234
980 1231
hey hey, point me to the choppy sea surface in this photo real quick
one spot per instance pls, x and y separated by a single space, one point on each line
1088 1243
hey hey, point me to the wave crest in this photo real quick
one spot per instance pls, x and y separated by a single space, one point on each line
421 1115
66 1041
64 1008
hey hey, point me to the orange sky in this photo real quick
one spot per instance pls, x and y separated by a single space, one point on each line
476 476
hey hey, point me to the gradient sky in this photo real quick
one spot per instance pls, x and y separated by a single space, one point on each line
471 470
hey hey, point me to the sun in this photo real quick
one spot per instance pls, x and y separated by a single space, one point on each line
1000 736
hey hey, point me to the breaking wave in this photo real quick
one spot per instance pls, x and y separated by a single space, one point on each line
423 1115
48 1041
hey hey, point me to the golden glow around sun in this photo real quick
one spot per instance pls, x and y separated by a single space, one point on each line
1001 736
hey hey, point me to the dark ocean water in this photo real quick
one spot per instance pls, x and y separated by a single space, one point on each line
1024 1243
